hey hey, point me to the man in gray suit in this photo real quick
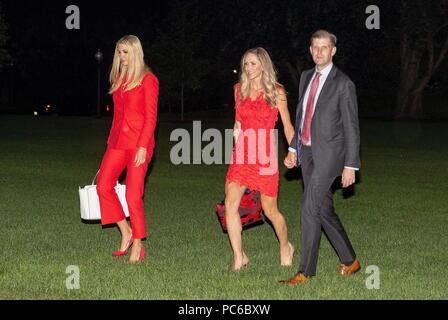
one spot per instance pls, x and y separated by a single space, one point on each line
326 146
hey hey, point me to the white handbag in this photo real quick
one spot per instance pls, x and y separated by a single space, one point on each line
90 204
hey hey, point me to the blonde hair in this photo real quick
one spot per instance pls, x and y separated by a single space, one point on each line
136 68
321 34
268 77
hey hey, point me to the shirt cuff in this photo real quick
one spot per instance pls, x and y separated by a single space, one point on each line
356 169
292 150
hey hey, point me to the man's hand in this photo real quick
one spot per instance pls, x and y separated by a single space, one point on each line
140 157
290 160
348 177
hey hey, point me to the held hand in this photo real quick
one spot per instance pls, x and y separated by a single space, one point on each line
348 177
290 160
140 157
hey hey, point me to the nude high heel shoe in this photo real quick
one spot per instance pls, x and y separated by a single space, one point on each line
292 252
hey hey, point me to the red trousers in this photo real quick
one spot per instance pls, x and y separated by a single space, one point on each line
113 164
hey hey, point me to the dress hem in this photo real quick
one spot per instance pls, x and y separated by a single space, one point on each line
263 192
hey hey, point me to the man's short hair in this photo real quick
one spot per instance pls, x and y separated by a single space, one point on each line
324 34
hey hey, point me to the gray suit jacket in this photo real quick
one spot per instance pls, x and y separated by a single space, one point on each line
334 128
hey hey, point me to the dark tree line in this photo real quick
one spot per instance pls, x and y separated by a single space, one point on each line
194 47
200 41
5 58
423 49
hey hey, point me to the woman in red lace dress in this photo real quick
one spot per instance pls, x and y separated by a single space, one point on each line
259 99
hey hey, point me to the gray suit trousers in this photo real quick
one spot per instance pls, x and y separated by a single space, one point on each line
318 213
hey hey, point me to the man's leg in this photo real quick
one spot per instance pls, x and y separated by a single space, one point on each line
335 231
314 198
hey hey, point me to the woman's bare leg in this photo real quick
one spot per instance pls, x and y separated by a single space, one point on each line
234 193
271 211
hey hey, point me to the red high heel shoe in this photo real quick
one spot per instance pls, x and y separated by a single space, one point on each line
120 253
141 257
142 254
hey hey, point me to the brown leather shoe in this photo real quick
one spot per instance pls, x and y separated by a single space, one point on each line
351 269
298 278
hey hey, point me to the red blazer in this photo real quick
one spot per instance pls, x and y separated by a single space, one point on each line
135 116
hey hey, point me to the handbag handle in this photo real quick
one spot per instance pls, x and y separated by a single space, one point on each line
94 179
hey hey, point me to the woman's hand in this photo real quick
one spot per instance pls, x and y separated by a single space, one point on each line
140 157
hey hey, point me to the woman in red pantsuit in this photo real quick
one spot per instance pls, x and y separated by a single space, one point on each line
130 144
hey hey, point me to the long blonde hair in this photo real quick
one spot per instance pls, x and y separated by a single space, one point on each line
136 68
268 78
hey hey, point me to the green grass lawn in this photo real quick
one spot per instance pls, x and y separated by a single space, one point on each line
397 220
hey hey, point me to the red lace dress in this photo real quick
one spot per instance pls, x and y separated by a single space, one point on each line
254 162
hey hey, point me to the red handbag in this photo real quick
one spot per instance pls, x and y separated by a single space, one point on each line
250 210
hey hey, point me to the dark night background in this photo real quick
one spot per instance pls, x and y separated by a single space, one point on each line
400 70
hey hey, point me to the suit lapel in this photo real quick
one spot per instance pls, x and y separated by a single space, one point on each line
327 84
302 91
306 83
